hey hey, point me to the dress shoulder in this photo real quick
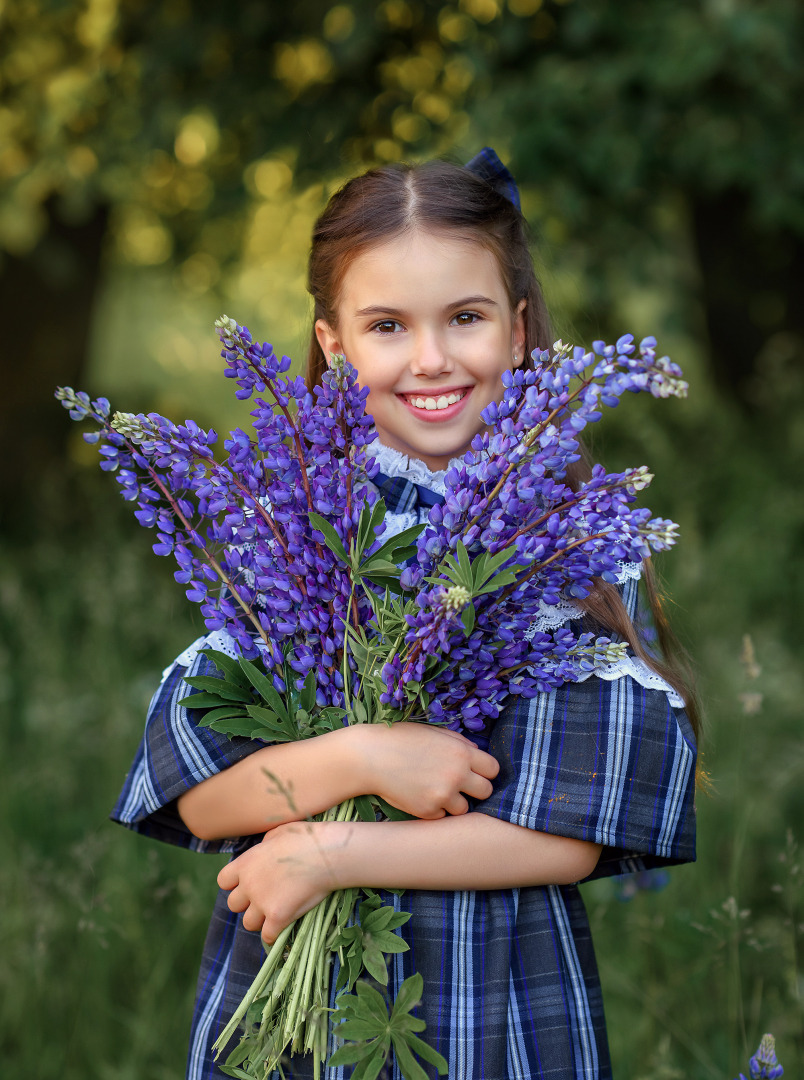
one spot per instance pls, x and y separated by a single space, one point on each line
612 763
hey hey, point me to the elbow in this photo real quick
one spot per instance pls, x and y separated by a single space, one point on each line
581 859
191 811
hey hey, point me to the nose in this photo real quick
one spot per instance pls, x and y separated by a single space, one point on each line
430 358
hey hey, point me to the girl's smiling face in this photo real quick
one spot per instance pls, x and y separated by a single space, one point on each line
426 321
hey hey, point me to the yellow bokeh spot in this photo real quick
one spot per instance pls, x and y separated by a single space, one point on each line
81 162
13 161
66 94
408 127
482 11
524 8
434 106
269 178
458 76
198 137
387 150
200 272
339 22
397 13
21 225
303 64
142 239
454 27
95 26
412 73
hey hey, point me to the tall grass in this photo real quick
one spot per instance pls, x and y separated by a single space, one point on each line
102 930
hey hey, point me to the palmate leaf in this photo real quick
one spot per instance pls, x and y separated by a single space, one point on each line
221 687
264 687
364 1017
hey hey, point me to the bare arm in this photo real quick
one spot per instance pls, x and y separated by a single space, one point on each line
419 768
299 864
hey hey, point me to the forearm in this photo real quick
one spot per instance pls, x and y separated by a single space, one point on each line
278 783
474 851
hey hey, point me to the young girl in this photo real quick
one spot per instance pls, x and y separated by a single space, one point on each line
422 277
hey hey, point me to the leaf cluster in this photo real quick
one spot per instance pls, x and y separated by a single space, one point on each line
364 1018
244 702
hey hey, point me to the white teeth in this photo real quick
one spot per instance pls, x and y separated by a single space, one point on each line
430 404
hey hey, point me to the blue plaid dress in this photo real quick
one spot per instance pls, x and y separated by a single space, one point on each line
511 989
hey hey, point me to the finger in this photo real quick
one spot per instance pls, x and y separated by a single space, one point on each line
253 918
228 877
456 806
484 764
237 900
478 787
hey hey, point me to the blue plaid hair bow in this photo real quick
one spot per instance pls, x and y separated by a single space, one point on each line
488 167
403 496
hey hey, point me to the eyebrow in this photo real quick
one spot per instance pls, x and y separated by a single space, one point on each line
468 301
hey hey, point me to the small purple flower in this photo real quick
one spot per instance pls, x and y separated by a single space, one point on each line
763 1065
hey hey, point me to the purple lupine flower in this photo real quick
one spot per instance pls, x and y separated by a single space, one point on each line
763 1064
241 534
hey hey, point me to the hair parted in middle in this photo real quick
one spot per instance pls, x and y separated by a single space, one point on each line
434 196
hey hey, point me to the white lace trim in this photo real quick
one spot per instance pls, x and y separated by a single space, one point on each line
217 639
551 616
640 673
395 463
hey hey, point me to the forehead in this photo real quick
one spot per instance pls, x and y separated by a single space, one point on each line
418 263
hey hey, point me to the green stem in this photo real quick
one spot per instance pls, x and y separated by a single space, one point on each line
256 988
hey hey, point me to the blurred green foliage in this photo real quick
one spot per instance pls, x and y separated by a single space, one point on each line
162 162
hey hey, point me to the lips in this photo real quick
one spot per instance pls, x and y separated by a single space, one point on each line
433 407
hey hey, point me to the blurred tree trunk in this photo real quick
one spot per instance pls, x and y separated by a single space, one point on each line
752 284
46 305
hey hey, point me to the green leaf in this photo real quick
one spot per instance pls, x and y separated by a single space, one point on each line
371 1000
375 965
331 538
220 714
370 521
388 942
424 1050
465 563
364 808
377 919
393 813
400 540
307 700
468 619
408 1065
410 994
357 1029
226 664
220 687
352 1053
235 728
204 701
264 687
271 720
371 1068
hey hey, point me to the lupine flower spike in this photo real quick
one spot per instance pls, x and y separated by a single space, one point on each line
763 1065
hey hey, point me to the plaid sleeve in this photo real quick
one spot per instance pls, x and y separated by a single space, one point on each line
175 755
609 762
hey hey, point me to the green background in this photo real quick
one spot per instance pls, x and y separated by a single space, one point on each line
163 162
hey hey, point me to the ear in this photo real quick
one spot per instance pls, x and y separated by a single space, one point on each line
518 333
327 339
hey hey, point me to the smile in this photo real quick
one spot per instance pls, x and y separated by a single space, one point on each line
434 404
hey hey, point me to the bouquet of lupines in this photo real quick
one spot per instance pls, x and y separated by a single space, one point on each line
282 543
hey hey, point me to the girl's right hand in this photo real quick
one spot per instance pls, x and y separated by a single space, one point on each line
422 769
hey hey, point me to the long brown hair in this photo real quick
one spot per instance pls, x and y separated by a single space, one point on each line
437 196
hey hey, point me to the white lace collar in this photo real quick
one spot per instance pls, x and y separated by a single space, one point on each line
395 463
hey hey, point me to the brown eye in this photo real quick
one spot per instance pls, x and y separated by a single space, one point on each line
466 318
387 326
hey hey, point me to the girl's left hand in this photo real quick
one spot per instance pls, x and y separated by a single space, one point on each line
279 879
